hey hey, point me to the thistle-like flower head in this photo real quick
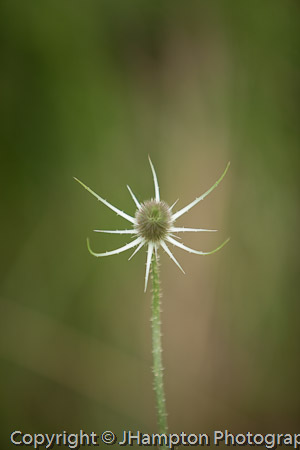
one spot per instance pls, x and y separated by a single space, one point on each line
153 221
154 225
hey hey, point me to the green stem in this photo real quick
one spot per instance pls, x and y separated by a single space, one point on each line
157 350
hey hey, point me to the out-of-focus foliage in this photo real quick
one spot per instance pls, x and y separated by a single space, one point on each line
89 89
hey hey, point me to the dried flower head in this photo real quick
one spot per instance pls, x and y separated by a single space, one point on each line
153 225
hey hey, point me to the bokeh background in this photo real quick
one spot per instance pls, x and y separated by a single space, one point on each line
89 89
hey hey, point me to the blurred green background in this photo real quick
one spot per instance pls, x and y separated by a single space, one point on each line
89 89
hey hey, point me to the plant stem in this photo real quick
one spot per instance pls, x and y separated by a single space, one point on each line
157 349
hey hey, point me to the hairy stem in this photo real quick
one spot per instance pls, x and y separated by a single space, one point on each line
157 350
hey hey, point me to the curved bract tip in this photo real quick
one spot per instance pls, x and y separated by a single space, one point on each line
218 248
89 247
198 199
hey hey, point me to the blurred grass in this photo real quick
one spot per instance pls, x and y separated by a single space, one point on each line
88 91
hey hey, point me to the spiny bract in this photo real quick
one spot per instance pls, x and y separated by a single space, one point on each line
153 224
